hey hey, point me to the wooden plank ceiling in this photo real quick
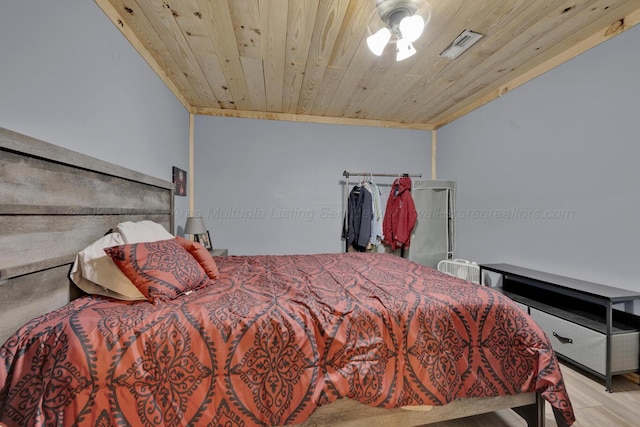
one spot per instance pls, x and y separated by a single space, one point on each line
307 60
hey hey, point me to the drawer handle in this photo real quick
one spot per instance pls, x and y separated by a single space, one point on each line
563 339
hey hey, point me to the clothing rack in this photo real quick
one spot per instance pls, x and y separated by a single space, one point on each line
347 174
346 198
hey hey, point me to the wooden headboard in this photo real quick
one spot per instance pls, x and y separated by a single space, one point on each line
53 203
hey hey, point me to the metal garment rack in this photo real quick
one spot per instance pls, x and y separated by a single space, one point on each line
346 198
398 175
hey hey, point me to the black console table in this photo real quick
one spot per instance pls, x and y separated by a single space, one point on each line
578 317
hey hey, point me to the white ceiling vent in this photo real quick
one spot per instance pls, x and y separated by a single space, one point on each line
464 41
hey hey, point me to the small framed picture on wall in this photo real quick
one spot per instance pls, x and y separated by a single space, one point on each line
179 182
204 239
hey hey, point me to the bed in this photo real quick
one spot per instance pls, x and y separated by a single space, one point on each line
327 339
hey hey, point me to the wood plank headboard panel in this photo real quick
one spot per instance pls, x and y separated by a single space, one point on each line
53 203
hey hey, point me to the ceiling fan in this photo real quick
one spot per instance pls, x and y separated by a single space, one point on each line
400 21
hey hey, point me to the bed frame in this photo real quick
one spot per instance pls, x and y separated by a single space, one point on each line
54 202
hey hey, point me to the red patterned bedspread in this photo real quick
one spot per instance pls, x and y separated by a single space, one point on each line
272 339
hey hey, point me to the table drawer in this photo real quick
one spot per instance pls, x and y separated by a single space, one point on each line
587 346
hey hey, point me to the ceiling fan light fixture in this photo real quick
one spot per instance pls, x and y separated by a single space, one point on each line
379 40
404 22
404 49
411 27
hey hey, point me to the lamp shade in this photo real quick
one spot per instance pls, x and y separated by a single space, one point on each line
195 225
411 27
379 40
404 49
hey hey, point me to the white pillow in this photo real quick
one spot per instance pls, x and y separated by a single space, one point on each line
142 231
95 272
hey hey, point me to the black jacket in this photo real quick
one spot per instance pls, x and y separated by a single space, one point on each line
360 214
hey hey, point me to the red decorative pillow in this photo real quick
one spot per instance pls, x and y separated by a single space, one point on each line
201 255
161 270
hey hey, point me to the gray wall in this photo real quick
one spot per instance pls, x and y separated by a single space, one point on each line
67 76
269 187
548 174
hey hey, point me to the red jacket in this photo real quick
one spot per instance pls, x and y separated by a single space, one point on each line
400 215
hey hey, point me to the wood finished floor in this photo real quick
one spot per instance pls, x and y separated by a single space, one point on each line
593 406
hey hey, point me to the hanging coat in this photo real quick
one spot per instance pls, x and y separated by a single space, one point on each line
400 215
359 217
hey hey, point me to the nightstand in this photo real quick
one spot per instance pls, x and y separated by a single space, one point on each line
219 252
